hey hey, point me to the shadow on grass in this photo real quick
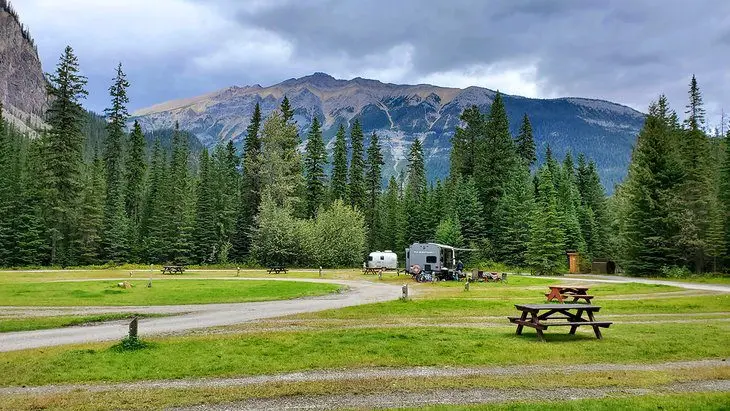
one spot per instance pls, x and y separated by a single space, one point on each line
551 337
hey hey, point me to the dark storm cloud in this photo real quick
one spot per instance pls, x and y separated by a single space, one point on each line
625 51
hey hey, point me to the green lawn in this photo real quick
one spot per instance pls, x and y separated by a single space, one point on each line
163 292
275 352
42 323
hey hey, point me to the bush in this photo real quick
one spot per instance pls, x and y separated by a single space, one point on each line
675 272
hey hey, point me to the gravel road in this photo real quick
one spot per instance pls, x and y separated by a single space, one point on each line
195 316
366 374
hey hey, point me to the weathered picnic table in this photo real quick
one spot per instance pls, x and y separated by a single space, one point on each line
277 269
372 270
173 269
573 314
563 292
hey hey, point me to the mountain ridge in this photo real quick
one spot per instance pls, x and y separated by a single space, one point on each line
399 113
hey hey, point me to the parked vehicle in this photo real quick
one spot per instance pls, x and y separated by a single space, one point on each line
439 259
383 259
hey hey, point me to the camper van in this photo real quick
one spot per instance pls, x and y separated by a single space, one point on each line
383 259
438 259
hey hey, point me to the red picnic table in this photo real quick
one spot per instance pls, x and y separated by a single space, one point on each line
564 292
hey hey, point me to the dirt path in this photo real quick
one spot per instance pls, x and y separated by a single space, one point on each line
454 397
196 316
367 374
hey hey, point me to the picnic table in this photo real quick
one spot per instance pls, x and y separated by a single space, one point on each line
563 292
372 270
173 269
553 316
277 269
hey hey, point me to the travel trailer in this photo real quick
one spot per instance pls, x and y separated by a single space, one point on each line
383 259
438 259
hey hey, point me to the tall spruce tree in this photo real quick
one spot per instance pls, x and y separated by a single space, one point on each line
356 184
467 141
287 112
526 142
373 184
469 211
338 188
545 250
156 216
114 238
92 209
651 190
514 211
497 157
136 169
63 150
205 241
250 187
7 176
31 247
315 159
180 203
724 197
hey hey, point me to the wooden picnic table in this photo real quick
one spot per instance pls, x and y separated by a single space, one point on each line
173 269
564 292
553 314
277 269
372 270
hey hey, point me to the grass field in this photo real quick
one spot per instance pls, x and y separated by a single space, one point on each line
442 325
162 292
43 323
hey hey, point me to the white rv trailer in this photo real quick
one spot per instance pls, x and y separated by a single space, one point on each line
383 259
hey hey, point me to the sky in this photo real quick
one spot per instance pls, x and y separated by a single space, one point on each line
627 51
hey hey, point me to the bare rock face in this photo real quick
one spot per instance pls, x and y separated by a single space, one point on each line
22 84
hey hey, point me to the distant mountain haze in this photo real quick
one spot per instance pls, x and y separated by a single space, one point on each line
603 130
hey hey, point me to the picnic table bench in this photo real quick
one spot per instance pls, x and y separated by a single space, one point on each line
277 269
562 293
553 316
173 269
372 270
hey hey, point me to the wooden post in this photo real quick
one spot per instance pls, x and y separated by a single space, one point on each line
466 286
149 284
380 274
320 271
405 291
133 328
238 271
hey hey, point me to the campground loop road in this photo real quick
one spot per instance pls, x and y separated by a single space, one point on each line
195 316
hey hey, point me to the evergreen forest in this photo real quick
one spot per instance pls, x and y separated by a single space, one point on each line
93 190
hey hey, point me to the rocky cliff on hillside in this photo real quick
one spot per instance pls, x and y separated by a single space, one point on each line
399 114
22 84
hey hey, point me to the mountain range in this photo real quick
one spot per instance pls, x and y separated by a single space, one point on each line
602 130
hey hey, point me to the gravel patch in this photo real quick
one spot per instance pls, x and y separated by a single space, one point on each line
453 397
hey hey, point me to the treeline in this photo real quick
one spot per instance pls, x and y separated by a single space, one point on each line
672 214
68 199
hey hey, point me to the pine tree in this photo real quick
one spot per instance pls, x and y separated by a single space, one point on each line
227 182
31 246
205 241
545 250
724 197
250 187
287 112
568 205
356 185
279 164
136 168
114 238
448 232
92 209
469 211
156 217
179 202
63 147
497 157
393 219
7 153
315 158
339 166
695 111
651 218
467 141
373 184
416 170
526 142
514 211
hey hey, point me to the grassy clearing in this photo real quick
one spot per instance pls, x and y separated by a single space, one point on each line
275 352
175 397
43 323
167 292
668 402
